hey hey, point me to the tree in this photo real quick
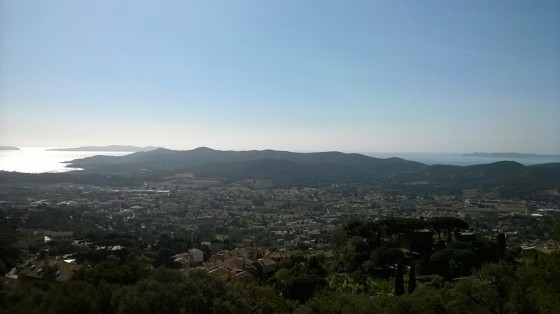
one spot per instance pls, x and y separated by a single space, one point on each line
342 282
150 296
71 297
501 239
488 288
250 298
337 302
385 258
547 277
450 263
201 290
399 280
449 224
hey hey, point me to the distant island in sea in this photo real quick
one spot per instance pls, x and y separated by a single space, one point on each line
110 148
9 148
508 155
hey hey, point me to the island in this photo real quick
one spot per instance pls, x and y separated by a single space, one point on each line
9 148
110 148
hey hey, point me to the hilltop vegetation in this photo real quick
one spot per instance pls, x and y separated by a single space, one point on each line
367 274
170 160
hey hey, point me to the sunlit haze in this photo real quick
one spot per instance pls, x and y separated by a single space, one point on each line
354 76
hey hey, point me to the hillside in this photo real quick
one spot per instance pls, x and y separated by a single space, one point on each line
508 178
288 168
170 160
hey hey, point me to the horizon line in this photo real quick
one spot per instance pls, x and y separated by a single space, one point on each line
363 152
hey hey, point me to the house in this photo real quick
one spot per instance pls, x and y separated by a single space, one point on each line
241 253
466 236
196 256
535 251
60 237
275 256
222 255
244 276
49 269
220 273
29 238
185 259
266 266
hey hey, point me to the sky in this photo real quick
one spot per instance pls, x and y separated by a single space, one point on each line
301 75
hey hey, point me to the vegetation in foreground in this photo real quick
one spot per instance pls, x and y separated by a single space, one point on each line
366 275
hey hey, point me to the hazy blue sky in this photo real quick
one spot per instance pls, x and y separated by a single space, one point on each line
366 76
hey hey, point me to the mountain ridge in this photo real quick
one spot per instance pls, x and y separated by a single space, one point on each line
284 168
166 159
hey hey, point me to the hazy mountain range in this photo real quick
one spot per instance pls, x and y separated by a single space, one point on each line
306 169
309 168
110 148
206 158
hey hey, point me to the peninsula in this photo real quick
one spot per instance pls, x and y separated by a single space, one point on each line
9 148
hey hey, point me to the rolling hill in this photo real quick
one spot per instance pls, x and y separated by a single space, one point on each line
200 159
308 169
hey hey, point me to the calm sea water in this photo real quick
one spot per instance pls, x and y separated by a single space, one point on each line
39 160
460 160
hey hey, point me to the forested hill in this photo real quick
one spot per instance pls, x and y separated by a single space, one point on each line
200 158
310 169
282 167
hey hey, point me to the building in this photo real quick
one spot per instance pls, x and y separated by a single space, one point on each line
185 259
32 238
29 238
60 237
266 266
197 256
49 269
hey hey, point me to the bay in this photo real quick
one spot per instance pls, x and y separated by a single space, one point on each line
40 160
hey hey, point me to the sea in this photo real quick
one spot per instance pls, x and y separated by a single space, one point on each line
458 159
41 160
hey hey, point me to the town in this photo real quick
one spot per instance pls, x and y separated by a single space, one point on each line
236 230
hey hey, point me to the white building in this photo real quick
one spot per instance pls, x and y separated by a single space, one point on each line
197 256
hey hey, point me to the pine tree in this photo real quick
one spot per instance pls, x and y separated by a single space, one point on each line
501 239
